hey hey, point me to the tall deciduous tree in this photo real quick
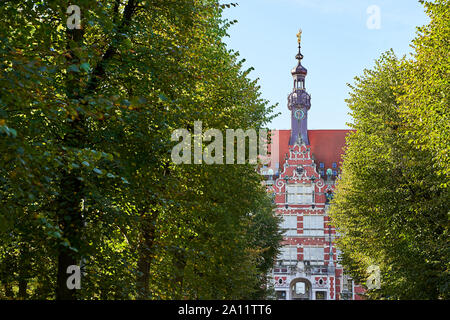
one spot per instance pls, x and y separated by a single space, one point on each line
392 201
391 205
86 117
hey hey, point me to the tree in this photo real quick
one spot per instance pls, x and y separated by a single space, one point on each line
390 207
86 117
425 106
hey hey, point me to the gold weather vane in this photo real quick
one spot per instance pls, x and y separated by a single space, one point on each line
299 36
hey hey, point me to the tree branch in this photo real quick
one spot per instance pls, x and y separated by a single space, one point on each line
99 70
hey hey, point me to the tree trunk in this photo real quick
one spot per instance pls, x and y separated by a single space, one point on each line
23 284
71 223
180 260
69 213
24 269
145 250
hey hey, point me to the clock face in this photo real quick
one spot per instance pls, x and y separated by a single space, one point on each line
299 114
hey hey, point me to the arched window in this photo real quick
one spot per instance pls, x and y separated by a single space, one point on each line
299 84
300 289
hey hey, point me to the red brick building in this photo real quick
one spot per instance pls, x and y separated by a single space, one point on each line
301 177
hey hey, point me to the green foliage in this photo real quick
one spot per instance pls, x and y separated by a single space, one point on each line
392 202
86 177
425 106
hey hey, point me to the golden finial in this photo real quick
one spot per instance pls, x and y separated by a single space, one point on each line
299 36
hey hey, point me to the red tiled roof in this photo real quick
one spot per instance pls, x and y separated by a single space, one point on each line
326 146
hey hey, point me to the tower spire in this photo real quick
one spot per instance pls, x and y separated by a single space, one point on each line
299 101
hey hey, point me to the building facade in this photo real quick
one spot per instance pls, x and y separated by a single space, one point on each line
301 176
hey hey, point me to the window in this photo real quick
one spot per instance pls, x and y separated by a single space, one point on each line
321 165
347 283
334 165
299 193
320 295
313 254
300 84
289 225
347 288
288 253
300 288
334 173
338 256
313 225
281 295
329 196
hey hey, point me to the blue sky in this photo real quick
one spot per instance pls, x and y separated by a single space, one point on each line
336 43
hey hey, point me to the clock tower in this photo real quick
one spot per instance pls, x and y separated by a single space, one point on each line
299 102
301 179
